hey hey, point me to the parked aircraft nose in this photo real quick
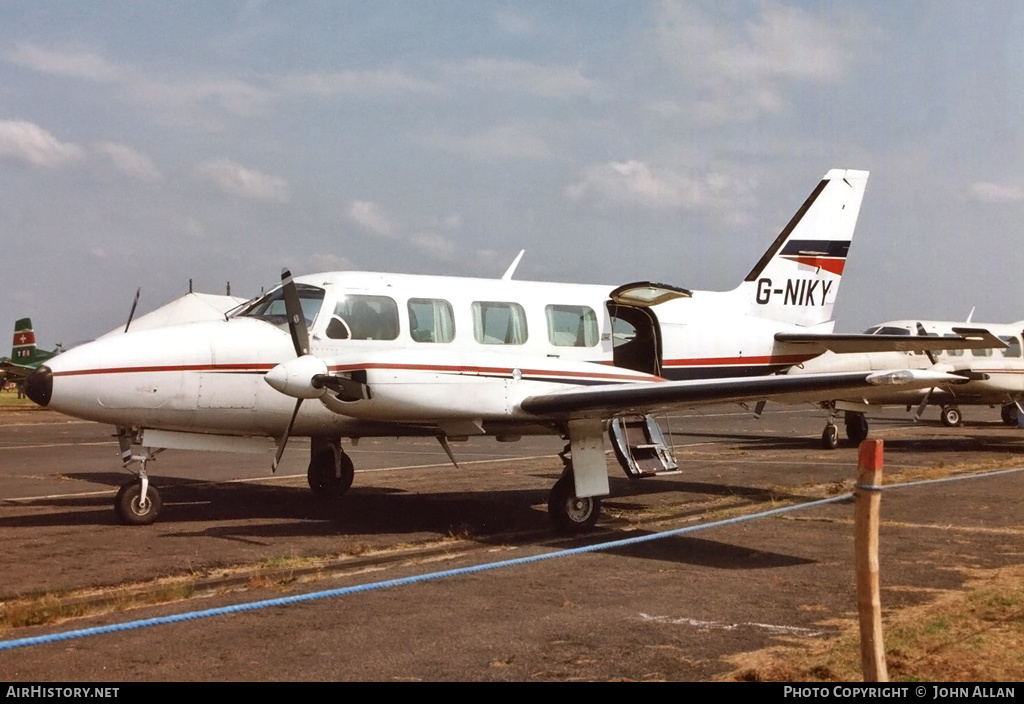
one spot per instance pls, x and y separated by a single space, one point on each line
39 385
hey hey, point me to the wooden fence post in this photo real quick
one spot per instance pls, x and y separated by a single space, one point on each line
868 497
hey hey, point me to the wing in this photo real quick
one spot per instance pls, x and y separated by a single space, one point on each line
14 372
642 398
966 339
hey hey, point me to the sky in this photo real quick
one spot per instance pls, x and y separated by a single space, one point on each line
147 143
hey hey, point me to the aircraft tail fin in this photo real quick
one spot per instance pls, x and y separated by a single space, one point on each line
797 279
23 348
24 352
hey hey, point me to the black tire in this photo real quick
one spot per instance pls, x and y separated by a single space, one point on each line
951 417
569 513
129 507
856 428
1009 414
329 477
830 437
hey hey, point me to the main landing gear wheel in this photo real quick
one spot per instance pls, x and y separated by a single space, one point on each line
830 437
135 510
1009 414
330 472
856 428
570 513
951 417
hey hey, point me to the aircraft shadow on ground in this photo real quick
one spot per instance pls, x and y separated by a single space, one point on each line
708 553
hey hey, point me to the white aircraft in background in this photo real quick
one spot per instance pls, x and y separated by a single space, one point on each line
400 355
993 374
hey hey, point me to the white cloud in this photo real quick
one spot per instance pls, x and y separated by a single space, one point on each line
74 64
995 193
377 83
434 245
509 141
744 70
513 22
523 77
129 161
370 217
239 181
633 183
28 142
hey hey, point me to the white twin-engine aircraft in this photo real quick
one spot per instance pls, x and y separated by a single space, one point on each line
993 374
398 355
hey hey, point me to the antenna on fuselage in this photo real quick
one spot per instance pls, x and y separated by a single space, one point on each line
507 276
131 313
971 314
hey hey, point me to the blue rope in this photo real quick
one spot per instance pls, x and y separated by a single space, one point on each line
299 598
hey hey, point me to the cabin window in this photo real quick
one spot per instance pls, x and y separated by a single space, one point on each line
1012 346
431 320
358 317
496 323
983 352
572 326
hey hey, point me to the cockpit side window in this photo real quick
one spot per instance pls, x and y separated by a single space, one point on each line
271 307
358 317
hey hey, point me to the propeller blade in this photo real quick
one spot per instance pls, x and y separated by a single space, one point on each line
296 318
921 332
284 438
131 313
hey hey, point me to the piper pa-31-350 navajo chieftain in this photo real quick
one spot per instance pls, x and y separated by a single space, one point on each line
357 354
993 374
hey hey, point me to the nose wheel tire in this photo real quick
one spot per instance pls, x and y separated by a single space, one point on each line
135 510
951 417
570 513
1009 414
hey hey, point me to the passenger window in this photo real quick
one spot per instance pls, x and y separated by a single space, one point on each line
496 323
984 352
364 318
572 326
1012 346
431 320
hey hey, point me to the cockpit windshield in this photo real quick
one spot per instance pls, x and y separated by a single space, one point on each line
271 307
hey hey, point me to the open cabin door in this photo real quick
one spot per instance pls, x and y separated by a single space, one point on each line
640 446
636 334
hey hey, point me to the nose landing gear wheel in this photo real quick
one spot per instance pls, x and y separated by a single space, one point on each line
135 510
570 513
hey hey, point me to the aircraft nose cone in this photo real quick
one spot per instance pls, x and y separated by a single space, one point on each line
39 385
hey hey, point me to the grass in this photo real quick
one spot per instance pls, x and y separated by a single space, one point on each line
10 400
971 635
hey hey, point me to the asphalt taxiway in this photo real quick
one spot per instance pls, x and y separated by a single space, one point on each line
675 608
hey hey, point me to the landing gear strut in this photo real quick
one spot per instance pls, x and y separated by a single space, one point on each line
138 502
330 472
570 513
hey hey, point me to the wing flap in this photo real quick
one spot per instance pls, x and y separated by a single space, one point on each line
642 398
